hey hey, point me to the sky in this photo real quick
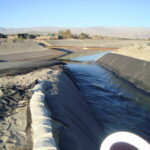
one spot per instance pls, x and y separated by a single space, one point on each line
74 13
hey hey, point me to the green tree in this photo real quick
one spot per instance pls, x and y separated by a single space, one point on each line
64 34
84 36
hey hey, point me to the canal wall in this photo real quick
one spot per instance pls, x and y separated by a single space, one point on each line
131 69
78 129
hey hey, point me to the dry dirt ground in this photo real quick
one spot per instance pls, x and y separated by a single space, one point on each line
21 55
12 50
139 51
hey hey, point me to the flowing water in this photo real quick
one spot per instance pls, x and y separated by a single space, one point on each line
116 104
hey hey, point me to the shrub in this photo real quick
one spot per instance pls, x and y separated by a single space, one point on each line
84 36
64 34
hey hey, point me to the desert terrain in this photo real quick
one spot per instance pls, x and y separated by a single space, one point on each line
31 68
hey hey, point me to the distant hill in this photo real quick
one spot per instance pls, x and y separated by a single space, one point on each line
122 32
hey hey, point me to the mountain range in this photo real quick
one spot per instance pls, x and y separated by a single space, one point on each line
122 32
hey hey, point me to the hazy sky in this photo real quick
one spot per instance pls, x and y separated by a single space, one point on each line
74 13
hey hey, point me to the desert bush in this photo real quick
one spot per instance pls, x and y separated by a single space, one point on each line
64 34
84 36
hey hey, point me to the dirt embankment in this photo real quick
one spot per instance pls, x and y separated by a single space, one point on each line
19 46
12 50
136 51
15 117
94 44
17 50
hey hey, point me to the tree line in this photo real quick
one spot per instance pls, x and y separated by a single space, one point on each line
66 34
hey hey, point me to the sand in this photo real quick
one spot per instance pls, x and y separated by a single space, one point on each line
96 43
18 57
19 46
138 51
16 124
14 118
18 50
28 78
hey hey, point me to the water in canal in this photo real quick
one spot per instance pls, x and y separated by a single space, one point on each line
116 104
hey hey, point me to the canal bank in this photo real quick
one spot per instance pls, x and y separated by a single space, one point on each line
134 70
102 104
